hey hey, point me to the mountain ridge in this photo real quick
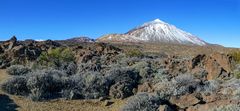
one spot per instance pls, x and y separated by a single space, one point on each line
81 39
155 31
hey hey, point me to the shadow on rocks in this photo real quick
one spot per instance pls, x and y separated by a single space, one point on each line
6 104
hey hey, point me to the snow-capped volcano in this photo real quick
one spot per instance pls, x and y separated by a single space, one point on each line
155 31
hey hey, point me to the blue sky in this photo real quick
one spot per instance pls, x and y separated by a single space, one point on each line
215 21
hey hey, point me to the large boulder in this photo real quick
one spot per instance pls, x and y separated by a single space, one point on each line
9 44
214 69
216 65
185 101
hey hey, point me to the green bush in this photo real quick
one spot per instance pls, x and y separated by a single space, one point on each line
134 53
56 57
237 74
236 56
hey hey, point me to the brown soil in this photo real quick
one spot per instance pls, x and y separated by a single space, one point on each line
174 49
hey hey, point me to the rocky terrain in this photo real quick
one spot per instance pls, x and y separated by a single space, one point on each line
119 76
20 52
81 39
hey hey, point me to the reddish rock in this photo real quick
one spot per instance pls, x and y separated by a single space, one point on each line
145 87
213 68
216 65
13 51
164 108
207 107
185 101
210 98
223 60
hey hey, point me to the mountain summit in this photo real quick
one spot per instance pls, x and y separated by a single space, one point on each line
155 31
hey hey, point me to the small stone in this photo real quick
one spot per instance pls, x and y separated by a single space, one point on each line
108 103
145 87
101 99
185 101
164 108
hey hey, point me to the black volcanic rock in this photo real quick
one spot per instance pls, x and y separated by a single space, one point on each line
80 39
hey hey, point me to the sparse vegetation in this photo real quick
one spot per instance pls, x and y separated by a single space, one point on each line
44 85
180 85
70 68
49 84
236 56
123 82
16 85
103 73
209 87
142 102
230 107
237 74
18 70
144 69
184 84
134 53
161 76
94 86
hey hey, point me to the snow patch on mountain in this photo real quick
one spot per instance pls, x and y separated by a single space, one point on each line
156 31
